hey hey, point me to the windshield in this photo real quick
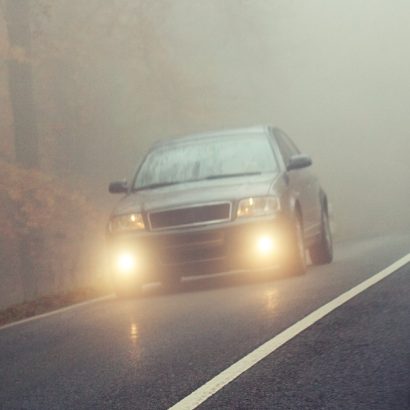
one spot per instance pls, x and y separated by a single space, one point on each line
215 157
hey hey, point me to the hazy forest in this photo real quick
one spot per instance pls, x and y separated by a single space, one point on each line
87 86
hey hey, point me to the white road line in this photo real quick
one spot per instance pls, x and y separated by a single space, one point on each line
198 396
55 312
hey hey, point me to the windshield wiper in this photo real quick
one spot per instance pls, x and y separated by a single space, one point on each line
239 174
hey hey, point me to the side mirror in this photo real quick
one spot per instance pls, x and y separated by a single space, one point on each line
298 162
118 187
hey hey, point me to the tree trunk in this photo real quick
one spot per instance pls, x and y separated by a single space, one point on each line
21 82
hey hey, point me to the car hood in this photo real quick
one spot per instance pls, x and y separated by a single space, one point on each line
206 191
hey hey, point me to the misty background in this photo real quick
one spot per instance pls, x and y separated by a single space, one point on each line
111 77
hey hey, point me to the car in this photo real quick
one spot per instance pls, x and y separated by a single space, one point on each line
239 199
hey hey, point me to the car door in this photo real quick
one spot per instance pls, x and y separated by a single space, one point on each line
303 184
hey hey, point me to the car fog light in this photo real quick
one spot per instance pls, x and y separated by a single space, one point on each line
126 263
266 245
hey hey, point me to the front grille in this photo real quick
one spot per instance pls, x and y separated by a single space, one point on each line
189 255
194 215
193 247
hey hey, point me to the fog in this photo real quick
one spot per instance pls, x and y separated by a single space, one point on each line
112 77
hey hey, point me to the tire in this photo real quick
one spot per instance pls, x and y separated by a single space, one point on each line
296 260
322 252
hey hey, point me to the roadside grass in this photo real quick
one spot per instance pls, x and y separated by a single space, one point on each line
49 303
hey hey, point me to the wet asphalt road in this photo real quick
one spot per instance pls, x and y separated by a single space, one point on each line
151 352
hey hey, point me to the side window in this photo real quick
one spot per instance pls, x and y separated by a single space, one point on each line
290 144
284 148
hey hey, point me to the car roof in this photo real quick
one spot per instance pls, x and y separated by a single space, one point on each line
260 129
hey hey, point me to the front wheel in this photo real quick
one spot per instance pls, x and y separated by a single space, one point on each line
322 251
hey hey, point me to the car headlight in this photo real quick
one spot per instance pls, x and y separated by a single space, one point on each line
122 223
258 206
125 264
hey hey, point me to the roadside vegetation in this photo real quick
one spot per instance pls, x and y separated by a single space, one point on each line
51 241
49 303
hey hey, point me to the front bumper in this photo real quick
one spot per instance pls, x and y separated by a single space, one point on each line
242 244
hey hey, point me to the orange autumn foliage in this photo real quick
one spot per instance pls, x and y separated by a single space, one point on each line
51 237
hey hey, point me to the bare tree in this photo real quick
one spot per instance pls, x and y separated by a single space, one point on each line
17 13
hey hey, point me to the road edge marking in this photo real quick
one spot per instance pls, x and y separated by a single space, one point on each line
215 384
55 312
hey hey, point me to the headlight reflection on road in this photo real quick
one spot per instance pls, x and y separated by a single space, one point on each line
134 332
135 348
272 299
